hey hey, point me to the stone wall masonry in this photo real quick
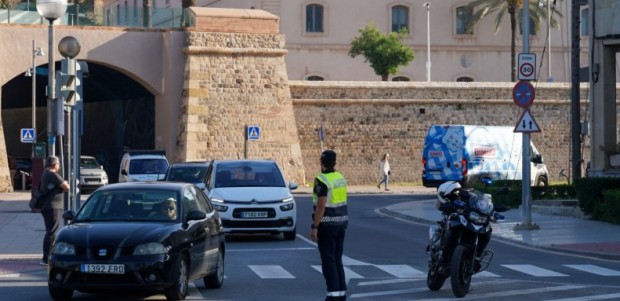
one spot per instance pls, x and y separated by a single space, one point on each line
233 80
363 120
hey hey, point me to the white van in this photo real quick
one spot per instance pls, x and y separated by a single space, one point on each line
143 165
466 153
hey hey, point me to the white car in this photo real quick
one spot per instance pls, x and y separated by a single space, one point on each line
92 174
252 197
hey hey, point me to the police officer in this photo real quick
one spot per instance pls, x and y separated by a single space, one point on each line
329 223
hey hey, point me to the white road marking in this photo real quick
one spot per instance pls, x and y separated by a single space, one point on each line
16 275
391 281
595 297
269 250
503 294
402 271
588 268
348 273
387 293
271 272
486 274
533 270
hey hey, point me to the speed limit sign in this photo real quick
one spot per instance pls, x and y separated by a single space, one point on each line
527 66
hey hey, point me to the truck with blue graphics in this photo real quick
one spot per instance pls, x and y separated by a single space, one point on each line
466 153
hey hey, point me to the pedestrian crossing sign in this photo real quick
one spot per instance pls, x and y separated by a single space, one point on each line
28 135
253 132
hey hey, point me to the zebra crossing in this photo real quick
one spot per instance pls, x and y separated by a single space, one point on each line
401 271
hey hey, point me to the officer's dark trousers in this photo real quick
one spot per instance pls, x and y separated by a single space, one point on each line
331 241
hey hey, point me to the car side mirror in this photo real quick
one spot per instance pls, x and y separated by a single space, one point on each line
292 185
68 215
196 215
537 159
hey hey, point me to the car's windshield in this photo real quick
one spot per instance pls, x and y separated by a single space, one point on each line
130 205
148 166
188 174
248 174
89 163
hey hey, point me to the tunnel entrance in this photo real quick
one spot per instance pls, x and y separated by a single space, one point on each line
118 113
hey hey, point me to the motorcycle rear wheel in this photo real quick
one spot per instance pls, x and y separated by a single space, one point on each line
434 279
460 277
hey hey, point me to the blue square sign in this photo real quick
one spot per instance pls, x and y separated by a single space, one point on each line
253 132
28 135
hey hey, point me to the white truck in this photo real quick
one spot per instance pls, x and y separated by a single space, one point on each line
466 153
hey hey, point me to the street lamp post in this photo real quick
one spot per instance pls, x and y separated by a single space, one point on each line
549 78
51 10
36 51
428 41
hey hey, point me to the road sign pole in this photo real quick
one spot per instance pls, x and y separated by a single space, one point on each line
245 133
526 196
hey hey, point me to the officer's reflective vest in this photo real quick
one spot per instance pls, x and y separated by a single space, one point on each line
336 207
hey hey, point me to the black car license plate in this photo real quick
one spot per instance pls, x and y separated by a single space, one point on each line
103 268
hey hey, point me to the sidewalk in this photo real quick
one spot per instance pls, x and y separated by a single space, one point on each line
21 231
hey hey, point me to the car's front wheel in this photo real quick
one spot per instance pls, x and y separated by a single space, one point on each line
180 280
216 279
290 235
60 294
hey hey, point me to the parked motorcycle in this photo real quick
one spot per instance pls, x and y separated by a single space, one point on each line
457 244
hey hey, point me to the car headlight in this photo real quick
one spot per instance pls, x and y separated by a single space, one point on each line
150 248
63 248
477 218
287 207
218 205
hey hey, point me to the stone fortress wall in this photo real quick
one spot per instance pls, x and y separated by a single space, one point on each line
363 120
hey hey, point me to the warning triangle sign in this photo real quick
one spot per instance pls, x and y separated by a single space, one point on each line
253 133
28 135
527 124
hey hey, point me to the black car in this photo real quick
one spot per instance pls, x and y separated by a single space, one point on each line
21 169
138 236
190 172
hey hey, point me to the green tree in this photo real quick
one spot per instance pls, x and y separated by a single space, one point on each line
385 52
512 8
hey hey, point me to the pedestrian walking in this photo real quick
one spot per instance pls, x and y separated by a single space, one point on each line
329 224
53 186
385 170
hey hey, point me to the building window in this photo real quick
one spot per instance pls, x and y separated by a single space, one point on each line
400 18
314 18
315 78
400 79
463 18
464 79
584 22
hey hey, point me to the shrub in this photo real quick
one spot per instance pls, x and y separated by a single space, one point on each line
590 192
609 209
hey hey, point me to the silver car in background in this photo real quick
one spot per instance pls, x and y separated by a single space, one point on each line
92 174
252 197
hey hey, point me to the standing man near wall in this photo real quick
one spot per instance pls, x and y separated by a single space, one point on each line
329 224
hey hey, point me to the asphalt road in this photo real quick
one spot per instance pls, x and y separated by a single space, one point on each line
384 260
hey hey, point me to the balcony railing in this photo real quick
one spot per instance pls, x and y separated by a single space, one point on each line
118 16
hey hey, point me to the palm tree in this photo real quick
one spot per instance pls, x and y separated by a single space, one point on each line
513 8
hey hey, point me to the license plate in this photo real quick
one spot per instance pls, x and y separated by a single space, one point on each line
103 268
253 214
434 172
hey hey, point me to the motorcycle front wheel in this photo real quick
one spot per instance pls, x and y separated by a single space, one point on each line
459 271
434 279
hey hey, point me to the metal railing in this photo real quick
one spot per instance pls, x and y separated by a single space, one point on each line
115 16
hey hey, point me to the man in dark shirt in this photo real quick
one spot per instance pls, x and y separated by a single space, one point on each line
53 186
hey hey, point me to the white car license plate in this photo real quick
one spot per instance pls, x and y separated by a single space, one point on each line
254 214
103 268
